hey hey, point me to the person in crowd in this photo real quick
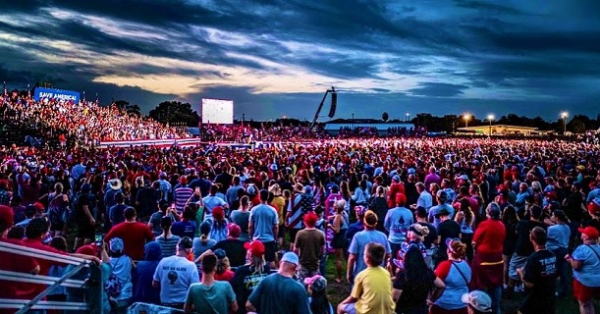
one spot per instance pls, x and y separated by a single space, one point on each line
447 229
167 240
558 240
248 276
372 289
456 274
395 188
488 265
58 203
510 221
539 276
182 194
186 227
114 186
431 239
378 204
339 227
478 302
144 272
424 199
397 222
78 294
233 191
210 295
121 288
204 242
434 211
263 226
232 246
310 247
116 212
415 284
523 247
218 229
156 218
174 275
212 200
466 219
223 272
148 198
585 262
86 223
134 234
241 217
280 292
356 258
317 291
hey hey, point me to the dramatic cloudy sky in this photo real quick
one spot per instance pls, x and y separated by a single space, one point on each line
277 57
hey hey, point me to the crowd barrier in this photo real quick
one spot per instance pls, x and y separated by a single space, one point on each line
158 142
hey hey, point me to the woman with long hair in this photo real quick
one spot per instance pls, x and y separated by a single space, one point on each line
510 220
223 272
346 194
456 274
465 218
203 243
415 284
339 226
248 276
317 291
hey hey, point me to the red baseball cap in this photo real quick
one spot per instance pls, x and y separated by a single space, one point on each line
255 247
7 217
234 230
218 213
590 232
310 219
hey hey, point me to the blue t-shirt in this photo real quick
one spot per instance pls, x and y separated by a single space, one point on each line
360 241
277 294
397 221
558 237
589 273
435 210
184 229
200 247
263 218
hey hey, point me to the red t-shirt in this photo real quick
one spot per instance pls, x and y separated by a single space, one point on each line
489 236
17 263
44 263
134 236
226 276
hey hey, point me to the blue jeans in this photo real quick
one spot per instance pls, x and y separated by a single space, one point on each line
562 270
496 296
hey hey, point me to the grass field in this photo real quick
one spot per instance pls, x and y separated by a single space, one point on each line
338 292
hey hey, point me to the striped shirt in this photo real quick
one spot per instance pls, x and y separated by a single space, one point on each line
182 195
167 245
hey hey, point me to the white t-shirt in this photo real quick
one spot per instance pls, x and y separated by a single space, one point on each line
175 274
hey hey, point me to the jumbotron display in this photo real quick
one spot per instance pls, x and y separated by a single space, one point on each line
217 111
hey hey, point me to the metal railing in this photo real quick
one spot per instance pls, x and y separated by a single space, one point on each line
93 285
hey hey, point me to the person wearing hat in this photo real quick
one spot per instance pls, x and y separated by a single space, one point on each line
210 295
280 292
212 201
559 237
441 197
478 302
90 251
317 291
372 287
357 226
114 186
248 276
310 246
585 261
356 259
447 229
397 221
396 187
487 265
143 273
233 246
539 276
175 274
121 266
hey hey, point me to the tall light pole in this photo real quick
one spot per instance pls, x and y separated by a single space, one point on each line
564 115
490 118
407 115
467 117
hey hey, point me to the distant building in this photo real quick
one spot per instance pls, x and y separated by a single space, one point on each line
502 129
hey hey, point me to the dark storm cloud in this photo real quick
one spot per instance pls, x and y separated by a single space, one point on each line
543 52
438 89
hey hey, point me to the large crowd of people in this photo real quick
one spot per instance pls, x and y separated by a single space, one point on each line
412 225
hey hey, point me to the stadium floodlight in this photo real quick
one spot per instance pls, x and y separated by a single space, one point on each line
467 117
490 118
564 115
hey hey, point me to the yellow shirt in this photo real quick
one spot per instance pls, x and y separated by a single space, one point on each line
373 289
279 203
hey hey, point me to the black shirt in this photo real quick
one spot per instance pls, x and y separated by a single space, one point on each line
234 249
432 236
414 294
540 270
447 229
574 204
524 226
245 281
